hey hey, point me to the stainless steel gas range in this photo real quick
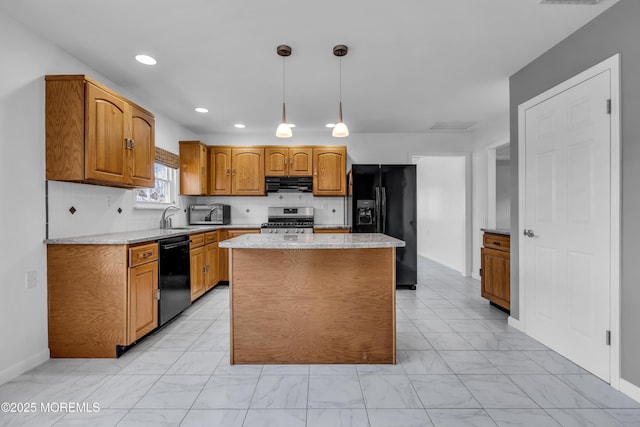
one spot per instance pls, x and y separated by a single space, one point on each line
284 220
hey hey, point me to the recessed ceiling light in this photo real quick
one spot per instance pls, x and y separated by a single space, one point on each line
239 126
202 110
291 125
146 60
330 125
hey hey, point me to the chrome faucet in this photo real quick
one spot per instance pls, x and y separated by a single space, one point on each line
165 221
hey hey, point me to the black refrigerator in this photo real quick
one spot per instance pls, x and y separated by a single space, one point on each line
383 200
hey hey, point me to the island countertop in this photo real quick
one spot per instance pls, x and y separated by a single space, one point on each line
313 241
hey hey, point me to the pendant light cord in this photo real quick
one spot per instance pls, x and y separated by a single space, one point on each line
340 85
283 81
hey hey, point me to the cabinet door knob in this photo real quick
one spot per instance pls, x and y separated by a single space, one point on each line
228 172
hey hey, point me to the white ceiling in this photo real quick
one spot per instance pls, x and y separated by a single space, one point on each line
410 63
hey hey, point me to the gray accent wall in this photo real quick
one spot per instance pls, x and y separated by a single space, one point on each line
617 30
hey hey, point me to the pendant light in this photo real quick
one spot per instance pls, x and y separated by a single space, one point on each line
283 130
340 130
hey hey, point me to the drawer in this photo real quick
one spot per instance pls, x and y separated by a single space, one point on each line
235 233
500 242
142 254
331 230
197 240
211 237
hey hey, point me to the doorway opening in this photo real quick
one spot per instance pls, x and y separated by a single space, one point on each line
444 209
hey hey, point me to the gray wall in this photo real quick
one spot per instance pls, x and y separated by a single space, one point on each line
617 30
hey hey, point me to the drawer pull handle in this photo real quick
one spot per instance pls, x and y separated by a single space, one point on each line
147 254
496 243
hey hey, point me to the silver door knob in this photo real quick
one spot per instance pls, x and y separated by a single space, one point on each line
528 233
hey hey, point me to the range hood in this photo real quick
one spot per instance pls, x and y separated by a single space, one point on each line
289 184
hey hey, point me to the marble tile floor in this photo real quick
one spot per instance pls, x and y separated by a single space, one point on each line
459 364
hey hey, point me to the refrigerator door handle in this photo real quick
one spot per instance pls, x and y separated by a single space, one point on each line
377 208
384 209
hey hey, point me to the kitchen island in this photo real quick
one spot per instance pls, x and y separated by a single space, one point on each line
312 298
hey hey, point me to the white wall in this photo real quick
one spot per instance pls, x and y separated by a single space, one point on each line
503 195
489 136
441 210
26 59
361 147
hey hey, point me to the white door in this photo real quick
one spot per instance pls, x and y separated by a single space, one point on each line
568 211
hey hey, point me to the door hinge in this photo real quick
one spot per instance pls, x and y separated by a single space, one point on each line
158 294
481 272
608 106
608 338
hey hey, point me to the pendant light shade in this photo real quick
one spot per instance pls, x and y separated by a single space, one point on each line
283 130
340 130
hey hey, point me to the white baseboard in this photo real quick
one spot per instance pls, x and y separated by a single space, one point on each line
476 276
23 366
631 390
515 323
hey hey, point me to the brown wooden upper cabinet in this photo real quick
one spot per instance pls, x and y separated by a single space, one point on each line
235 171
247 171
288 161
329 171
193 168
96 136
219 163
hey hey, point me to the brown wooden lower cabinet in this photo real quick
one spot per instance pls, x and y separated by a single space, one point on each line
212 269
143 303
197 260
496 269
204 258
100 297
331 230
223 254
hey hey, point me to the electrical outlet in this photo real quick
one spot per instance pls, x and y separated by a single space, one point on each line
109 202
31 279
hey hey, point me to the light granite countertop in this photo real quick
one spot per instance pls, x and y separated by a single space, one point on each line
312 241
503 231
130 237
139 236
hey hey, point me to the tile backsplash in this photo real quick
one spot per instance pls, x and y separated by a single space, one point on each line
99 209
253 210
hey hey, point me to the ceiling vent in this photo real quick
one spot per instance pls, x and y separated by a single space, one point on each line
452 126
589 2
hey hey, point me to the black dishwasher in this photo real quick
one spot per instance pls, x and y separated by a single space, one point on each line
174 284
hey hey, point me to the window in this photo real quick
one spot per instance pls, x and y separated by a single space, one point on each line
160 196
